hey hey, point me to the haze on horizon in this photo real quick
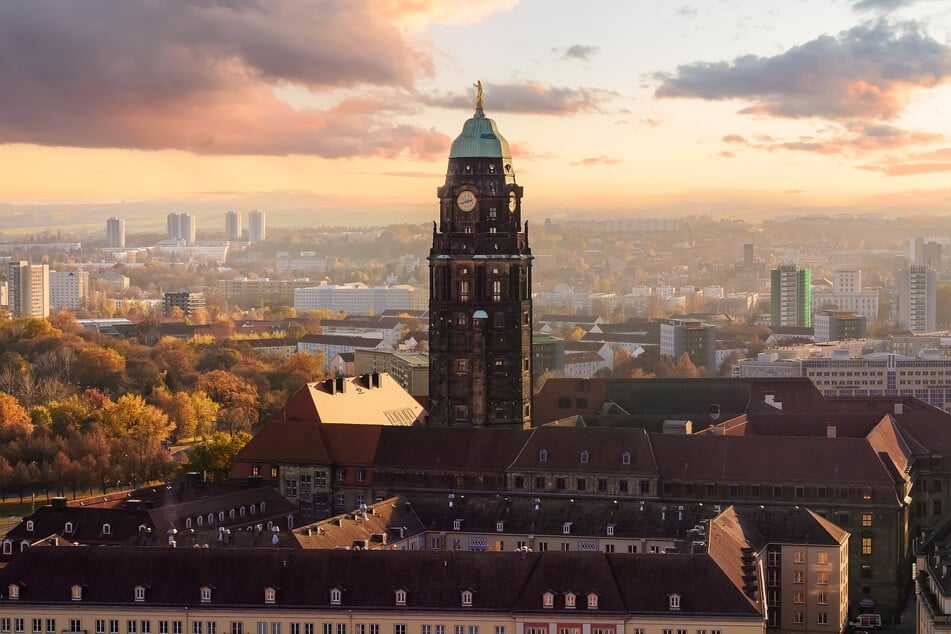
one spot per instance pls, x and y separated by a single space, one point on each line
330 107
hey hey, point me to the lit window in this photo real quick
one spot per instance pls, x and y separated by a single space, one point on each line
548 600
866 519
822 557
592 600
77 592
866 545
570 600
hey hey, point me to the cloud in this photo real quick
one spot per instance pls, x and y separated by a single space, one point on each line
726 154
529 97
930 162
598 160
853 139
884 6
422 12
651 123
582 52
200 75
734 138
870 71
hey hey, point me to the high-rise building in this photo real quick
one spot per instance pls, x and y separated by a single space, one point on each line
115 233
791 296
181 227
697 339
257 231
233 225
927 252
68 289
917 288
480 306
847 295
28 289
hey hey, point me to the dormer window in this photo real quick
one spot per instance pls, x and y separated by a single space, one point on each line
566 528
211 518
243 511
106 529
499 527
139 594
13 591
543 455
205 594
200 520
467 598
457 525
570 600
270 594
7 547
626 457
584 457
674 601
400 597
336 595
221 516
76 592
68 528
610 530
188 522
29 526
263 505
592 600
231 514
254 509
548 600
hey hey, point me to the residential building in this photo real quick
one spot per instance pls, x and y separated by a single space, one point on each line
28 289
257 229
917 289
480 304
233 225
357 298
332 345
68 289
791 296
548 354
181 226
115 233
187 301
342 364
933 580
260 291
691 336
409 369
927 252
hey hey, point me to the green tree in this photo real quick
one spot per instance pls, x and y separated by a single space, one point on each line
215 456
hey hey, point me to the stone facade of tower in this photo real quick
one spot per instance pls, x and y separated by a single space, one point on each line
480 307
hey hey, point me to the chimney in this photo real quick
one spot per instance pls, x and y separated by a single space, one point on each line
770 399
375 377
899 408
831 430
331 385
341 384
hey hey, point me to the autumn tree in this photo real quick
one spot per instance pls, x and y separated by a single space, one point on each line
215 456
141 427
14 421
236 398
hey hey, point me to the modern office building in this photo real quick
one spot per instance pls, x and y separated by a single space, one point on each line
480 305
257 229
186 301
926 252
115 233
692 336
181 227
233 225
357 298
838 325
917 288
791 295
68 289
28 289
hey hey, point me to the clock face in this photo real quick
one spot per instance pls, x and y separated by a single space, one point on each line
466 201
512 202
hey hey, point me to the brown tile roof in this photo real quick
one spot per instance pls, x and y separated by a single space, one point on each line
267 502
471 450
605 448
383 524
352 444
291 441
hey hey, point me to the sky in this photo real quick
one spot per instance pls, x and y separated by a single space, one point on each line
341 110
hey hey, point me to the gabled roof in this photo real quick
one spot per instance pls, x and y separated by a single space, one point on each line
286 441
359 400
605 451
452 449
268 504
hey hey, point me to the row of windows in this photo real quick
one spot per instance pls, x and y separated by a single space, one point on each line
134 626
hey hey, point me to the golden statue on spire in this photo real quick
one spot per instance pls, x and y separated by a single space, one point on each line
478 86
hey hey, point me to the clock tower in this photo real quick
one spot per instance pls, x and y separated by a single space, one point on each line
480 302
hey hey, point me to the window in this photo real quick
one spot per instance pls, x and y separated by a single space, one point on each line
560 484
822 578
548 600
799 597
798 617
673 601
106 529
866 570
130 626
341 475
626 457
401 598
37 625
335 596
466 598
610 530
306 485
584 457
570 600
17 625
5 624
499 629
543 455
399 628
866 545
341 628
196 627
799 491
799 576
140 593
462 366
773 557
592 600
580 484
823 618
13 591
75 625
163 627
822 557
473 629
566 528
50 625
177 627
113 626
866 519
76 592
822 598
269 594
425 629
205 594
237 627
799 557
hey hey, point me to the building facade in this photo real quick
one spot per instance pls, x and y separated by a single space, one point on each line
847 295
791 296
917 289
480 307
181 227
68 289
257 226
115 233
837 325
697 339
233 225
28 289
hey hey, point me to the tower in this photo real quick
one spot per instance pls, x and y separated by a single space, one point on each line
233 225
791 296
480 303
257 231
181 227
28 289
917 291
115 233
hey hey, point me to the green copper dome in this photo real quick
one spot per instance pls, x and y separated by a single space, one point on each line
480 139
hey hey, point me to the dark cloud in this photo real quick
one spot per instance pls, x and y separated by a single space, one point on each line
580 51
200 75
530 97
883 6
866 72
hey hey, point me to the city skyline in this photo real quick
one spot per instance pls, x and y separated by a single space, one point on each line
743 107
